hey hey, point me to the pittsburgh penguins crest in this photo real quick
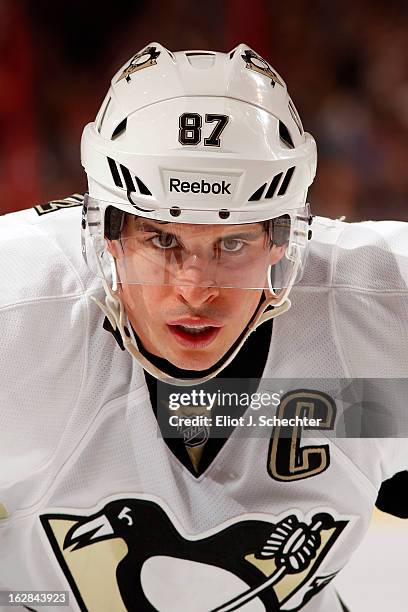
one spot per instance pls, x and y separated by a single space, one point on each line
255 62
145 58
133 554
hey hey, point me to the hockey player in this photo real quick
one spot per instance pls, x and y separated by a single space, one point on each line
195 231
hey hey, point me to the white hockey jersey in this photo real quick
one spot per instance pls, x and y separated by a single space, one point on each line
93 502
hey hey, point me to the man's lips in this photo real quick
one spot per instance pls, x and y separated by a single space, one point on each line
186 331
195 321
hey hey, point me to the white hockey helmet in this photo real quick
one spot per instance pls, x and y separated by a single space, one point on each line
199 138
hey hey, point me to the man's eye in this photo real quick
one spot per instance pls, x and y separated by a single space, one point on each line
164 241
231 245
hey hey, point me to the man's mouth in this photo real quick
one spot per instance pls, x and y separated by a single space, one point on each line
193 334
194 329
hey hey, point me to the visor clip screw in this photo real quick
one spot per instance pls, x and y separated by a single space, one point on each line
175 211
224 213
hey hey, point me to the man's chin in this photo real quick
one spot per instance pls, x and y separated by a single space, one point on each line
197 363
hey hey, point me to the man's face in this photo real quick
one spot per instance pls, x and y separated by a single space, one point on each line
170 276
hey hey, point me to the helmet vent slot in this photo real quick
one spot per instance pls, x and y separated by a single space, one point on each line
274 185
103 115
199 59
130 186
142 187
295 116
124 173
285 183
115 172
257 195
285 136
119 129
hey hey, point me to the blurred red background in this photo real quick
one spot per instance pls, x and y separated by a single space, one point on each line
345 63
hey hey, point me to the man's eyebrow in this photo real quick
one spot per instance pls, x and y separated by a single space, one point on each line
248 235
150 224
241 234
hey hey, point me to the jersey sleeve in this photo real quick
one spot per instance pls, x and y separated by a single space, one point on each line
392 497
43 318
370 315
370 284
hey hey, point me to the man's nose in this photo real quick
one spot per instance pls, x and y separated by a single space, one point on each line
195 281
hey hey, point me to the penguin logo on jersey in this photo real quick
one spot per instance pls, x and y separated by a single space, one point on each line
255 62
134 555
145 58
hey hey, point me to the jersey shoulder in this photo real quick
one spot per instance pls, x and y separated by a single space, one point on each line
41 253
369 255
